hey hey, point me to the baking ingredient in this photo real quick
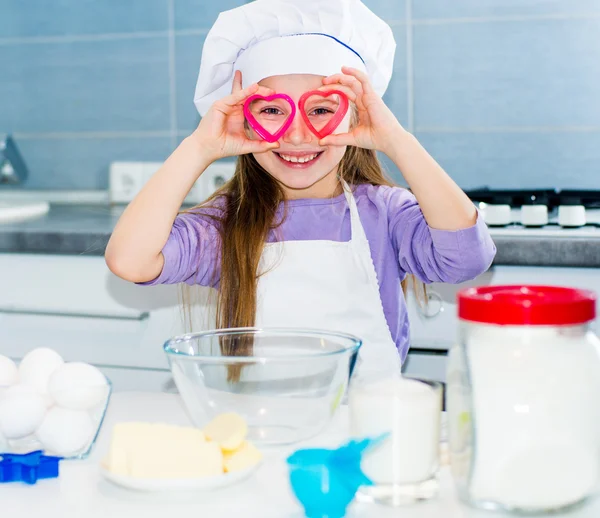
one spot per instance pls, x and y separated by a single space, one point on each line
410 411
9 374
536 415
78 386
229 430
65 432
246 456
37 366
21 412
155 450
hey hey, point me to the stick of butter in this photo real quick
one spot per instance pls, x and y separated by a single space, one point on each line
245 456
228 430
147 450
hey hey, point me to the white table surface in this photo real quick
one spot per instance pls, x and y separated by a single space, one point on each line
81 492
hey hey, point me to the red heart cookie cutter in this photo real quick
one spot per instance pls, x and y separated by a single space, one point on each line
338 116
256 126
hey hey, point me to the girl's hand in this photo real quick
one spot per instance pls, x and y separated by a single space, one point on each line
377 127
221 132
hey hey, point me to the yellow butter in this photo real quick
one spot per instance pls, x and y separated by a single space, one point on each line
244 457
228 430
148 450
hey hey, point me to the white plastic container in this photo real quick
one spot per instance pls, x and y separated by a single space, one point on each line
522 398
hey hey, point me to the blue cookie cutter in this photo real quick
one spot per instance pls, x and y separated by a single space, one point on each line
28 467
325 481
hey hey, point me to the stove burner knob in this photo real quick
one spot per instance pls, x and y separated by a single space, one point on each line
571 213
534 212
497 215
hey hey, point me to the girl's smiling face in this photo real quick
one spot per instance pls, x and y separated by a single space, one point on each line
300 164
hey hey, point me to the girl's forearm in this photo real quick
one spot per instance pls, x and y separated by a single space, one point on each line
134 250
444 204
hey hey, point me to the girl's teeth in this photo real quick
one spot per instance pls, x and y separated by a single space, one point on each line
296 159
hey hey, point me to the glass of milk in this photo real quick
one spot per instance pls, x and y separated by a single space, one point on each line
403 467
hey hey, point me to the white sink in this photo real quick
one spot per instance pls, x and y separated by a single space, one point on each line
14 211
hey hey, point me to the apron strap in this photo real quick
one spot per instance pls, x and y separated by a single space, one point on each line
357 232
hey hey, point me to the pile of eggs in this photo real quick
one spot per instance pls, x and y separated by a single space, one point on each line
47 403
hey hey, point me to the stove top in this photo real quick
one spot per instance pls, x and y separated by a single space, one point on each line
548 210
552 198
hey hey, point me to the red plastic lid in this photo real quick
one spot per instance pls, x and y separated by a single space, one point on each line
527 305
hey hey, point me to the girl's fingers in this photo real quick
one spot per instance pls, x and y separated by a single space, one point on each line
341 139
348 91
351 82
237 82
236 97
259 146
362 77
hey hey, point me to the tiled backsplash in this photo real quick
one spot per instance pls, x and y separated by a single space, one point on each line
502 92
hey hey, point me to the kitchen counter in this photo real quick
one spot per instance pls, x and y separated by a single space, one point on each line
85 230
81 491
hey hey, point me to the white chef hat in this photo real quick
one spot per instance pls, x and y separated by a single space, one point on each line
275 37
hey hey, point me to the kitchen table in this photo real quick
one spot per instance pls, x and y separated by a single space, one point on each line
82 492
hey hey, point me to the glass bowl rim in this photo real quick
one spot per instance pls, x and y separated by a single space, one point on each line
274 331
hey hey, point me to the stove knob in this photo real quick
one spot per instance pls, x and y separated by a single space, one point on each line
534 215
571 215
497 215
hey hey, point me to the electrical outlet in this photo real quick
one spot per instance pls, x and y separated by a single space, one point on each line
215 176
126 179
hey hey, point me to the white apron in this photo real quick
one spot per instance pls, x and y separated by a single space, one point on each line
331 286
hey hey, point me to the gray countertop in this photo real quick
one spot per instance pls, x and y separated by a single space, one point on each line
85 230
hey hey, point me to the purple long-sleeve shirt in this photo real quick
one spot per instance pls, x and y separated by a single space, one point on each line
401 243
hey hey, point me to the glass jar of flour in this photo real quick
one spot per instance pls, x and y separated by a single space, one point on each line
523 398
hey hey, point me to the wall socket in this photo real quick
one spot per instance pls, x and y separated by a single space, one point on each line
126 179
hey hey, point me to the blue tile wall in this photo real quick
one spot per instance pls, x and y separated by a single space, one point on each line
507 73
82 163
448 9
501 92
39 18
188 51
114 85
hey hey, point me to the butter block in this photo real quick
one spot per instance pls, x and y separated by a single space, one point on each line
228 430
203 459
148 450
246 456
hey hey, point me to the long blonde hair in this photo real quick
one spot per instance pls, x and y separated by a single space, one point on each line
248 211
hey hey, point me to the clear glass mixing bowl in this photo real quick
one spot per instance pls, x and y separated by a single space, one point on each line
286 383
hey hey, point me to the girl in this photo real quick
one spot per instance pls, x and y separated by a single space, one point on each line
309 232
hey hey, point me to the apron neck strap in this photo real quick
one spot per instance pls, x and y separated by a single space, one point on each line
357 231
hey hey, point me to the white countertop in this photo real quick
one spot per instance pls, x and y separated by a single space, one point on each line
81 492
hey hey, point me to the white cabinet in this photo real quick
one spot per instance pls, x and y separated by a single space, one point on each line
435 329
76 306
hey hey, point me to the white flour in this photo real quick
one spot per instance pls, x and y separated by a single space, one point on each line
536 412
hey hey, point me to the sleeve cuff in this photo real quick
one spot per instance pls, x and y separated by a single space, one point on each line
170 253
462 238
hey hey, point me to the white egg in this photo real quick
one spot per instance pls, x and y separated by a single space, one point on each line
9 374
65 432
21 388
78 386
21 412
37 366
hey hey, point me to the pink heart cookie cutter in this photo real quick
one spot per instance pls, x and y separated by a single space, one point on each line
337 118
256 126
